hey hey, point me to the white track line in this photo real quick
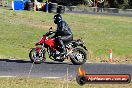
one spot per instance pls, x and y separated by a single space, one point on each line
7 76
51 77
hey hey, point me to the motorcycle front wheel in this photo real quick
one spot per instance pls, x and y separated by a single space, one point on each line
78 56
34 57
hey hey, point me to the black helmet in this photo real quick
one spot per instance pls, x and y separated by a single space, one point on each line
57 18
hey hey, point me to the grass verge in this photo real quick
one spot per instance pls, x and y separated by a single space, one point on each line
19 30
52 83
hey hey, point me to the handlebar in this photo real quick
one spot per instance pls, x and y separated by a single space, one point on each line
50 33
50 29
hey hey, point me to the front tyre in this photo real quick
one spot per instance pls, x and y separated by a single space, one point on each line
34 57
78 56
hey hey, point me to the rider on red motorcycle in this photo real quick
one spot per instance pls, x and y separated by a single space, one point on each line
63 33
59 47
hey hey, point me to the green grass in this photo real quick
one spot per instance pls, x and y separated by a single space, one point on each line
52 83
19 30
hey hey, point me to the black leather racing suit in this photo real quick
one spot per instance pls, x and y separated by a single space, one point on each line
64 33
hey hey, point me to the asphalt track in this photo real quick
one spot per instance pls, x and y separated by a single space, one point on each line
20 68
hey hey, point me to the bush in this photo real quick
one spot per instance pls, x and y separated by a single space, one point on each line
108 3
130 3
70 2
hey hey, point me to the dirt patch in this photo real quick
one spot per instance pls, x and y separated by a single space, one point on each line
126 60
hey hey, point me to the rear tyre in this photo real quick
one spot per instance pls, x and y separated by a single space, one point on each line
78 57
34 57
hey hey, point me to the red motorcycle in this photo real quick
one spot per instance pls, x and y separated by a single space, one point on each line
76 54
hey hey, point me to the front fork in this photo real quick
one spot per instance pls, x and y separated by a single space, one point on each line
40 50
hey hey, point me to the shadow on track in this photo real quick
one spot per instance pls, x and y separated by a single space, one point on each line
17 61
54 62
47 62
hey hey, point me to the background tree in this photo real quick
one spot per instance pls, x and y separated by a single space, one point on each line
130 3
107 4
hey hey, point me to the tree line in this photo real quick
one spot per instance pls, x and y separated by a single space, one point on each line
124 4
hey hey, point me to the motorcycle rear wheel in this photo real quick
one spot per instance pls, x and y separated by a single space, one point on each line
78 57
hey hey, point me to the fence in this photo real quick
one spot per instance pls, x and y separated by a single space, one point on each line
96 9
